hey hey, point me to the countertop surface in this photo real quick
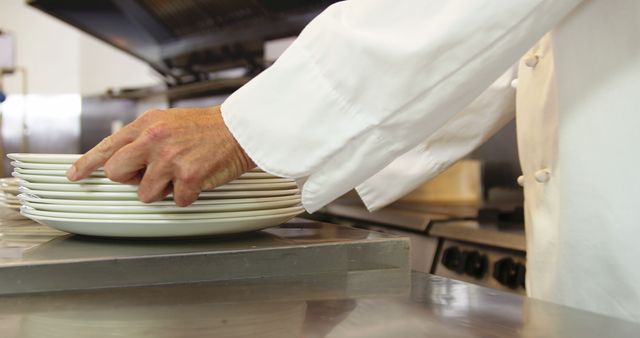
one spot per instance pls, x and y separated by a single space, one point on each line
354 304
367 294
31 262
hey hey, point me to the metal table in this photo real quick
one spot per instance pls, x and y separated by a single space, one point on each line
64 262
353 304
304 279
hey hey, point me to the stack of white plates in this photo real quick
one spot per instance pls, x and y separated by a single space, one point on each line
100 207
8 192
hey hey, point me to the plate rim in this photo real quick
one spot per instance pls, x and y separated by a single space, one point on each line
50 157
128 195
92 202
172 216
29 178
163 209
90 187
100 173
167 222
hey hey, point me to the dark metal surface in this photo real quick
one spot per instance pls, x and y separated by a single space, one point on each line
471 231
405 219
357 304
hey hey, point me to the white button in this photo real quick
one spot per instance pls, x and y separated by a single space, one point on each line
542 175
521 181
514 83
532 61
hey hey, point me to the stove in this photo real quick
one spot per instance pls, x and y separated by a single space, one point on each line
483 246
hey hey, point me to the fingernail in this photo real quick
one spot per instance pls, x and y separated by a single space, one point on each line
71 173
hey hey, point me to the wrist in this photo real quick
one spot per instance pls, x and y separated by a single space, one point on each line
242 158
249 164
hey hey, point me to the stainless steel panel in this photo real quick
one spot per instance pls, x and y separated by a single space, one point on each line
423 248
98 117
471 231
53 124
294 248
409 219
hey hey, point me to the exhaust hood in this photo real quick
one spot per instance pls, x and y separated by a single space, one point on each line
188 39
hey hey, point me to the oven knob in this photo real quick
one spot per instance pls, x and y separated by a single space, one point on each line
453 259
505 272
476 264
521 271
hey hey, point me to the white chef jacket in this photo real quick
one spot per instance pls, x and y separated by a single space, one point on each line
381 95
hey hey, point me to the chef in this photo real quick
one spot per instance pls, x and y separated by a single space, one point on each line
381 95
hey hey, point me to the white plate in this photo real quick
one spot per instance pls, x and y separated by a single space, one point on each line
161 216
163 228
59 159
78 187
101 174
134 188
8 182
60 179
11 191
7 194
45 166
44 158
51 172
10 205
134 196
158 209
9 200
33 199
100 180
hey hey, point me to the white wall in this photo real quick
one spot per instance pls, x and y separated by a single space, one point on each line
61 59
62 63
48 49
103 66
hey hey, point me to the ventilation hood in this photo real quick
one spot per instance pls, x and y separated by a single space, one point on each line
188 39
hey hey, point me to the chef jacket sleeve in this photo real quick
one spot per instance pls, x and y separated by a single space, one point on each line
368 80
464 132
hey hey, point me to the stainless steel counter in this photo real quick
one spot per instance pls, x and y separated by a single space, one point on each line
364 303
65 262
361 291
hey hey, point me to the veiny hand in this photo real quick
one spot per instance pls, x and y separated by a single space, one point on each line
184 150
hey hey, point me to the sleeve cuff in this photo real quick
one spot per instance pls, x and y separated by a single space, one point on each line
282 117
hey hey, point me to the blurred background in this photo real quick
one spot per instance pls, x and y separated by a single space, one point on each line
54 73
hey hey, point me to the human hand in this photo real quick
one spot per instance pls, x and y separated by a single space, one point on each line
184 150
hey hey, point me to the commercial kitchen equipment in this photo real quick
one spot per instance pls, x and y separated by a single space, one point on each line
302 279
480 244
188 42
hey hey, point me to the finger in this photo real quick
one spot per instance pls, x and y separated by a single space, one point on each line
136 179
167 190
154 183
126 164
98 155
184 194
